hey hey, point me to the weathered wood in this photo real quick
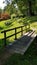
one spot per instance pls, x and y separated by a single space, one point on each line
36 39
5 38
12 35
5 31
12 29
21 45
15 34
21 31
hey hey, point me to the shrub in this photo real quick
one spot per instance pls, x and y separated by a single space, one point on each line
13 16
8 23
5 16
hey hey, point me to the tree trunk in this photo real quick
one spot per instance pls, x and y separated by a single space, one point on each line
30 8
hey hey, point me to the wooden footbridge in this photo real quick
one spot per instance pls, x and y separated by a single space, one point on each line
19 45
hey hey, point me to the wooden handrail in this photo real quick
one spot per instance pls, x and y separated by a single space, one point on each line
11 29
5 31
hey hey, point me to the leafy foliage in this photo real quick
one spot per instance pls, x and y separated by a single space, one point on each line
5 16
26 7
8 23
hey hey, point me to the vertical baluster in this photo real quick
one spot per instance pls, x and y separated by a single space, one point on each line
4 38
21 31
15 34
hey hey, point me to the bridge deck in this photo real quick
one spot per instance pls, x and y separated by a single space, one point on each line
21 45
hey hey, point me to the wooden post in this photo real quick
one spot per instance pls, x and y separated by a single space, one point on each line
36 39
5 38
15 34
26 28
21 31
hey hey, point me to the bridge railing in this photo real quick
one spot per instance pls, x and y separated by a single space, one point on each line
5 31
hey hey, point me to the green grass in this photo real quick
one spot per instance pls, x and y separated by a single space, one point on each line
13 25
29 58
16 23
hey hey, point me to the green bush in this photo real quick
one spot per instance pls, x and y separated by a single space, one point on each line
8 23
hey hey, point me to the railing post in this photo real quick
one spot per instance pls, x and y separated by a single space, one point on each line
21 31
15 34
4 38
36 39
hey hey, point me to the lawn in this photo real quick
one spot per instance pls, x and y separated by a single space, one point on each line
29 58
16 22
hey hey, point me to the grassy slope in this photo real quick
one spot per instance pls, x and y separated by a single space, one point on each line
13 25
